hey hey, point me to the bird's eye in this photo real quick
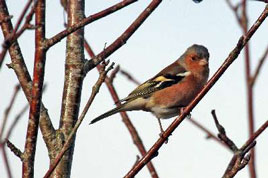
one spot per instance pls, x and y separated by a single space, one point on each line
194 58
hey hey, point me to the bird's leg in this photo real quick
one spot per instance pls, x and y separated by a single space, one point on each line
161 129
160 125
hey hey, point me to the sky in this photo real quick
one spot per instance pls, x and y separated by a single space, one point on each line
105 149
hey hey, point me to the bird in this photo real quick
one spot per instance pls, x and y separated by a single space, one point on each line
172 89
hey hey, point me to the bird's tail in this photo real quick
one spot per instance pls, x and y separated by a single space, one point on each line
108 113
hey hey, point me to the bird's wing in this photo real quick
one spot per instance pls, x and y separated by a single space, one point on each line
159 82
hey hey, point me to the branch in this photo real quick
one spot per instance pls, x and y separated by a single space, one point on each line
249 88
230 59
21 71
133 132
222 134
7 111
15 150
120 41
257 71
13 36
68 142
57 38
129 77
239 159
6 162
209 133
235 11
37 86
114 73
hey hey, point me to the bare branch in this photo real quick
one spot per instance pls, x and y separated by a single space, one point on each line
240 159
230 59
57 38
129 77
15 150
95 90
120 41
13 36
222 134
21 71
6 162
257 71
7 111
113 73
37 86
209 133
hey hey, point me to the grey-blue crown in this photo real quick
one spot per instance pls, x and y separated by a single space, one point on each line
200 50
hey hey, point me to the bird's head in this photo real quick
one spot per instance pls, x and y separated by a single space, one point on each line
195 59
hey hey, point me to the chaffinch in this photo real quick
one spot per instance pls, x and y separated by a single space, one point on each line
171 89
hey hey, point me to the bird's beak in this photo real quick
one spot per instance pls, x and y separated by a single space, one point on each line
203 62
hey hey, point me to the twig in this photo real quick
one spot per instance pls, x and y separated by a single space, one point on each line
209 133
230 59
113 73
14 149
133 132
235 11
222 134
257 71
6 162
120 41
13 36
57 38
18 116
95 90
239 160
129 77
7 111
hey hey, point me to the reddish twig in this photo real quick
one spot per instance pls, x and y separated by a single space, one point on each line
68 141
37 85
114 73
7 111
6 162
222 134
133 132
129 77
235 10
244 26
120 41
239 159
255 135
209 133
8 41
57 38
257 71
15 121
230 59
